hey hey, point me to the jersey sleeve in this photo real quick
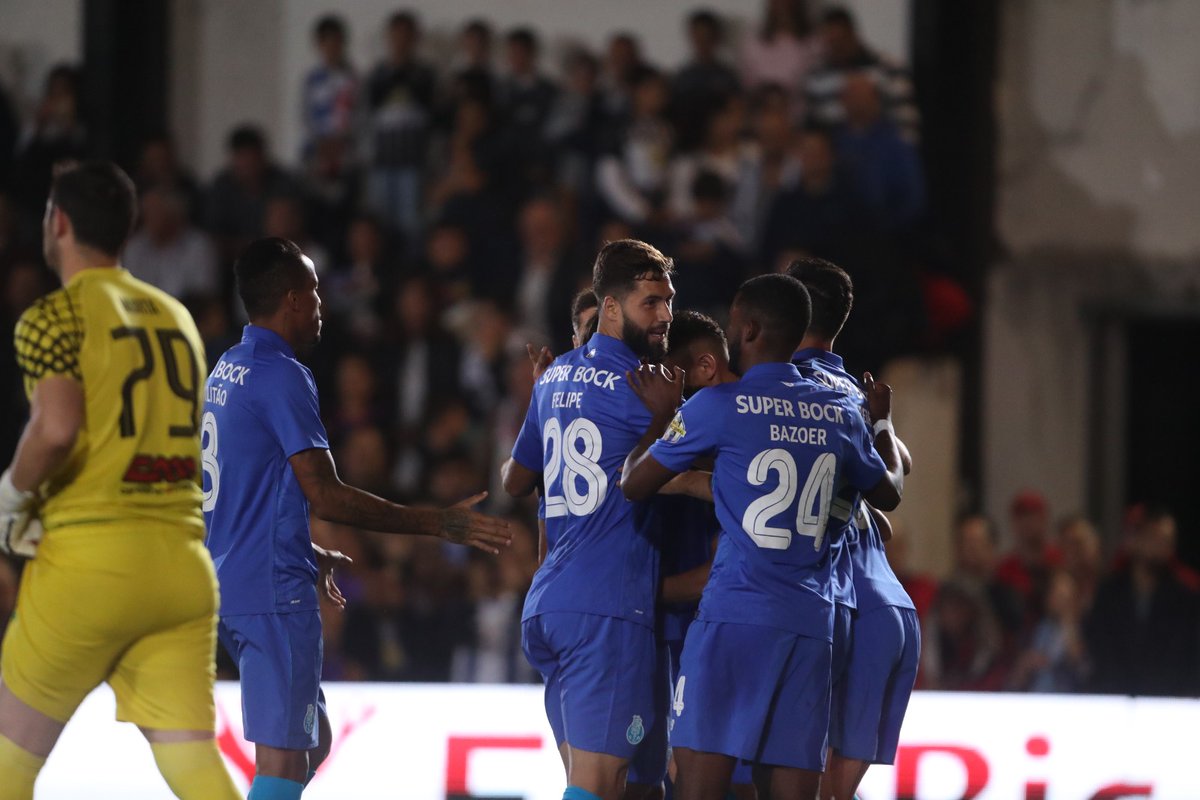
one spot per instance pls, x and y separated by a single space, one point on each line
862 466
694 432
293 412
47 340
527 450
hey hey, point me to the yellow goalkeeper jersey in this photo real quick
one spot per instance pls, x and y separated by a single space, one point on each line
140 360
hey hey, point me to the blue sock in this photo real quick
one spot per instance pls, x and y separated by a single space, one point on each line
266 787
574 793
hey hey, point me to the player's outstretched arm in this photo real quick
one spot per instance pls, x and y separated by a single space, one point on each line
334 501
661 392
887 493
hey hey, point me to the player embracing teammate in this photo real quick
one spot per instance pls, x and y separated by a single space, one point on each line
802 460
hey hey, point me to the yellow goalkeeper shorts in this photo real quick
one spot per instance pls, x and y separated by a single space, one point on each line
133 604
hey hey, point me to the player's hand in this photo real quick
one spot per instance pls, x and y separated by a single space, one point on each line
660 389
879 398
461 525
327 560
20 528
541 359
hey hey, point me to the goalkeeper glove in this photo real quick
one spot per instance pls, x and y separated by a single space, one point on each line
20 528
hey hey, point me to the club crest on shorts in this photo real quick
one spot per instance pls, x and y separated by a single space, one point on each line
310 718
636 731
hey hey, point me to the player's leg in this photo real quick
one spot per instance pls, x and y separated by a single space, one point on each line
606 674
843 647
317 756
26 738
871 701
648 767
796 734
67 630
541 657
163 681
702 776
742 781
279 659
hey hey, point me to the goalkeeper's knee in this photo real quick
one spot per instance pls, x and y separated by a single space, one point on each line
194 770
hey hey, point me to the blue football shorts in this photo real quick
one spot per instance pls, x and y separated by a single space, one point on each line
279 659
870 701
600 679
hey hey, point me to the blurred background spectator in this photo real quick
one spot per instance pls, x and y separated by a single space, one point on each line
452 194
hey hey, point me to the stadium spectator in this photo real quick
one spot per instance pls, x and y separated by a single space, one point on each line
704 80
975 561
472 71
921 588
284 217
1142 632
884 170
846 53
1081 553
369 274
816 215
961 647
781 51
577 124
236 202
1056 659
56 133
549 274
631 176
526 98
169 252
1027 568
710 249
329 97
400 105
622 63
158 166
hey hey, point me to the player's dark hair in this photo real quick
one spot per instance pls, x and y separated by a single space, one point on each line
266 271
247 137
583 301
691 327
830 290
837 15
780 304
329 25
100 201
621 264
524 37
642 74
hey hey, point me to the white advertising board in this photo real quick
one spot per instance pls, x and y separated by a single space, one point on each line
436 742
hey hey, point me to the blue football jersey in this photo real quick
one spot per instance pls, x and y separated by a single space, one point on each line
260 409
602 551
782 444
875 584
688 528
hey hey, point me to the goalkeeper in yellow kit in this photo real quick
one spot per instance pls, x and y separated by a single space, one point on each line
121 588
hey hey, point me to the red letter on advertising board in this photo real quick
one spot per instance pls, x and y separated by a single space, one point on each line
459 749
908 761
1120 791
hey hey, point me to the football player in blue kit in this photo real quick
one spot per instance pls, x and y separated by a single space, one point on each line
698 347
755 678
266 464
871 695
588 621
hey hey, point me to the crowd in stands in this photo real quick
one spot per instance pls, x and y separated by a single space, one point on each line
451 204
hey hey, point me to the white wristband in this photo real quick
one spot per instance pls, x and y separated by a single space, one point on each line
884 424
